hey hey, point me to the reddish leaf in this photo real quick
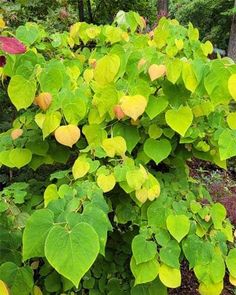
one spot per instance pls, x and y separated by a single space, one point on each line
2 61
11 45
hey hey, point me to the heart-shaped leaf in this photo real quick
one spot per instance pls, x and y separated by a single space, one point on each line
178 226
180 120
21 92
80 168
232 86
11 45
20 157
133 106
170 277
157 150
72 251
156 71
67 135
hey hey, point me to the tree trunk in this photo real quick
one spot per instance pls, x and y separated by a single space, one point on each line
81 10
90 14
162 8
232 39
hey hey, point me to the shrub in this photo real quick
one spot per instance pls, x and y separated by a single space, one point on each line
99 199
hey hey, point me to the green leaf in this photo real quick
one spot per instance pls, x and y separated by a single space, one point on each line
144 272
51 78
227 144
152 288
106 69
28 33
178 226
35 233
156 105
174 69
94 134
157 150
231 262
218 214
51 123
143 250
99 221
50 194
21 92
19 279
20 157
72 251
170 254
179 120
129 133
170 277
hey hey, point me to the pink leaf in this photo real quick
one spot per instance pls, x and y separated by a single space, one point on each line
11 45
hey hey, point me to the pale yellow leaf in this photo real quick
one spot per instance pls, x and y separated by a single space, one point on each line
16 133
106 182
80 168
170 277
156 71
67 135
232 86
43 100
133 106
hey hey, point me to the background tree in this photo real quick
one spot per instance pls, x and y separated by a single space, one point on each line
232 39
162 8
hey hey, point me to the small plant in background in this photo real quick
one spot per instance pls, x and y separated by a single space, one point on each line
109 117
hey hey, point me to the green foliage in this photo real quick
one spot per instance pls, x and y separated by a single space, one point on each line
108 117
211 17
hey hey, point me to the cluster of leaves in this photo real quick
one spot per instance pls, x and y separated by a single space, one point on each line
122 111
213 18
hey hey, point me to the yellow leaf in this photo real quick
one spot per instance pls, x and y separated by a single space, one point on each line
43 100
2 24
37 291
88 75
114 146
142 195
39 119
210 289
179 43
189 77
67 135
125 36
16 133
231 120
232 280
207 48
3 288
50 194
232 86
106 182
106 69
133 106
156 71
80 168
170 277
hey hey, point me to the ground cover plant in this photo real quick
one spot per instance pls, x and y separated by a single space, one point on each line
96 196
